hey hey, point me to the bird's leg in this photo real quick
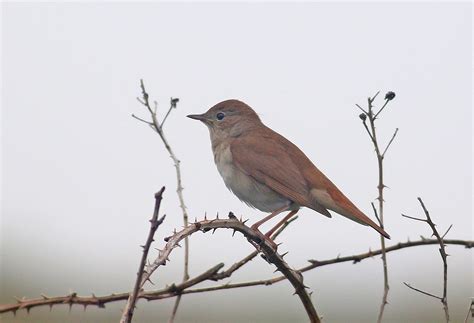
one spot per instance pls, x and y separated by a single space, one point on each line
265 219
268 217
279 224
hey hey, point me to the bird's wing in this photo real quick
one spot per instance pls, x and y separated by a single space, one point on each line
267 160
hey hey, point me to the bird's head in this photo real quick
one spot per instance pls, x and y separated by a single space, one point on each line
228 118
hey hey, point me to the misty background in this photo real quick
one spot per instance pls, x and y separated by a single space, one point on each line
79 174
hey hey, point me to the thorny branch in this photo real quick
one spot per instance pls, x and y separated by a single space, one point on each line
372 116
239 264
184 288
154 224
158 127
295 278
444 256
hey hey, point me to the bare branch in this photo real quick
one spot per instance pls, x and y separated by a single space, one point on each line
389 143
381 109
179 189
142 120
173 102
381 185
361 109
470 310
444 235
371 100
444 256
183 288
154 224
423 292
413 218
376 214
239 264
255 238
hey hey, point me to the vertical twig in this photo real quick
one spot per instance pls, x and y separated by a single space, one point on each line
154 224
158 127
444 256
372 116
470 311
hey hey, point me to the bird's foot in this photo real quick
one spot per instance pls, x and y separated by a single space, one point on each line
267 239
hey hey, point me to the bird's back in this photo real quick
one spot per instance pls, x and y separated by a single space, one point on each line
277 162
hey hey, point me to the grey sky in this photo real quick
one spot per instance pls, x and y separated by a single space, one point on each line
78 173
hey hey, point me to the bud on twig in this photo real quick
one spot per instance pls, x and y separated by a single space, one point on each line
174 101
363 116
389 96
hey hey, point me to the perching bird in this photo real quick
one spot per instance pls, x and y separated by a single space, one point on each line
267 171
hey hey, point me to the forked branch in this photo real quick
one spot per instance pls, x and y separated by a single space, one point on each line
211 274
154 224
444 256
158 128
371 115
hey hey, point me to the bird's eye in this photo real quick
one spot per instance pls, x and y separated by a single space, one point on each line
220 116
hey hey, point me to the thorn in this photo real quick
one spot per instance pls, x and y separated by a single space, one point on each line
205 216
214 230
275 270
283 255
178 245
44 296
294 292
174 231
240 218
195 220
245 221
217 216
149 280
233 232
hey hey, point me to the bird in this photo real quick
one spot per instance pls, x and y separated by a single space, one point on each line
267 171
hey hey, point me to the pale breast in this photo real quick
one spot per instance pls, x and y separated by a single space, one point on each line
247 189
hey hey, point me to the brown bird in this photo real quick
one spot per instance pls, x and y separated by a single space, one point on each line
267 171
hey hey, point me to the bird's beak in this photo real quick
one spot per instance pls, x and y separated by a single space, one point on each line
199 117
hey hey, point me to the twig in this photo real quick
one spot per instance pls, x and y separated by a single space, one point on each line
295 278
154 224
470 311
170 291
390 142
372 116
421 291
158 127
444 256
239 264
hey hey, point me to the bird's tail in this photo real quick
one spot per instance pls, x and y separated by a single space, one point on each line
361 218
334 200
